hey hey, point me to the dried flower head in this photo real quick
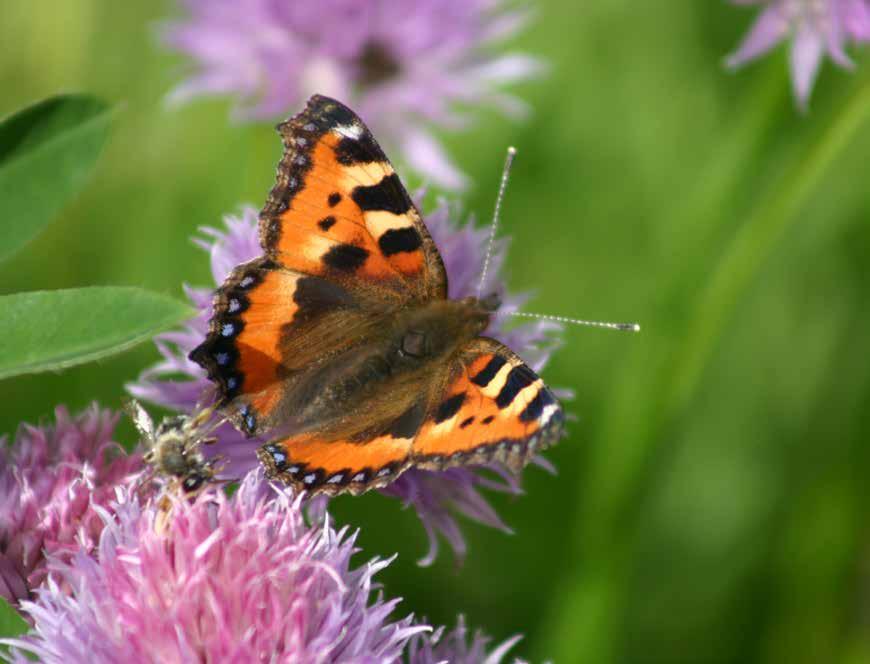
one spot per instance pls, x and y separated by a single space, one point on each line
53 482
436 496
403 65
239 579
816 28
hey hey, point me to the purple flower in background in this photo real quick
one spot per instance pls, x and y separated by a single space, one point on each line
54 480
239 579
436 496
455 648
816 28
402 65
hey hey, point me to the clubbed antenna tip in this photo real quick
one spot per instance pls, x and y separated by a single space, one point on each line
624 327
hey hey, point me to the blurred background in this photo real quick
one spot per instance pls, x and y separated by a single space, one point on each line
711 502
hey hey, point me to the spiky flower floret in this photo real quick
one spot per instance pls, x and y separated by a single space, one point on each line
455 647
403 65
240 579
816 28
54 479
436 496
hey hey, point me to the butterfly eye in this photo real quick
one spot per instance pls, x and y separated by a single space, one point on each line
414 344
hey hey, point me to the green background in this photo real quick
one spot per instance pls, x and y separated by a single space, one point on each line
711 500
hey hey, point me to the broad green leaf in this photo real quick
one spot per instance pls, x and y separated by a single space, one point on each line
46 153
52 330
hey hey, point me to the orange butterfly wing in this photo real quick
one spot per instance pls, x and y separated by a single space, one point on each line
494 408
491 407
338 209
342 241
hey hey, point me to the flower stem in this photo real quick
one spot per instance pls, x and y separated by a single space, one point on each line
592 602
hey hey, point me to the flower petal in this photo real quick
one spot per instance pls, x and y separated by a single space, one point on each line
804 60
427 155
769 29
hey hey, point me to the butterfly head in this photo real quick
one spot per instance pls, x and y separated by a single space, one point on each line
490 303
478 311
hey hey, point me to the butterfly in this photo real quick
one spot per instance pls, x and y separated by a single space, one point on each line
173 447
341 337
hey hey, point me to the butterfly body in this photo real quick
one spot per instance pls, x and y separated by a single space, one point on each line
340 342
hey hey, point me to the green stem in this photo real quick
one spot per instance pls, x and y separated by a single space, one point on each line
606 536
754 243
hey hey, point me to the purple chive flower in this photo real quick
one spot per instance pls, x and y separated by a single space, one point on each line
239 579
53 482
816 28
402 65
436 496
455 648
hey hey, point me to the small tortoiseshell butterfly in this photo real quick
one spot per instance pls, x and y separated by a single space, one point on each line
340 339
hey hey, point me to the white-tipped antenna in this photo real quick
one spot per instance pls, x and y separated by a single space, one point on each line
624 327
508 161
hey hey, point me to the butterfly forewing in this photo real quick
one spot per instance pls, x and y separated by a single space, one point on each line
338 209
343 246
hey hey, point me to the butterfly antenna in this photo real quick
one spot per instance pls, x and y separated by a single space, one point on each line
509 160
625 327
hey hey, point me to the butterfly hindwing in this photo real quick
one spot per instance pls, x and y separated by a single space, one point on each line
492 408
489 406
339 210
334 466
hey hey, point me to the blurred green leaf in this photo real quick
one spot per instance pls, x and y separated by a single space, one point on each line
11 624
47 151
52 330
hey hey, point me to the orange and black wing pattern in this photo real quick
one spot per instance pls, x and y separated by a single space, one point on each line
269 323
493 408
339 211
489 406
342 242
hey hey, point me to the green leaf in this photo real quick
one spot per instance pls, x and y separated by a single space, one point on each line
47 151
52 330
11 624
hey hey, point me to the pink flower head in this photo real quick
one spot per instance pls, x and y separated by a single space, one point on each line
402 65
53 482
239 579
816 28
436 496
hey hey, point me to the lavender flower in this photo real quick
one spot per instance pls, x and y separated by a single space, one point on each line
401 64
239 579
454 647
53 481
436 496
816 27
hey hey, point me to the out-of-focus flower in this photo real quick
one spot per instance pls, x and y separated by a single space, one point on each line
436 496
239 579
402 65
53 481
455 648
816 28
